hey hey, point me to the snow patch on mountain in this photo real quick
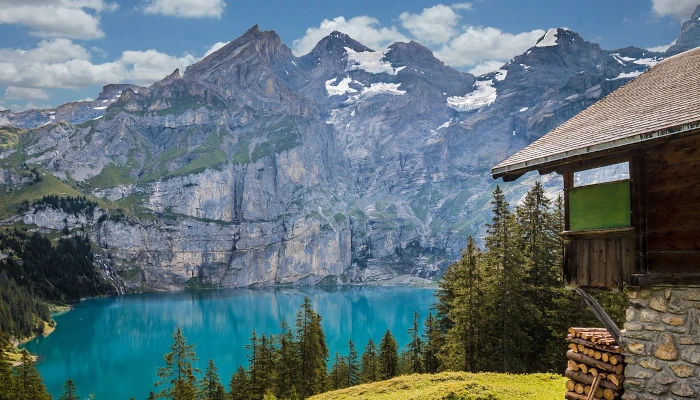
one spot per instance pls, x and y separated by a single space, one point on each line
341 88
377 89
649 62
501 75
625 75
622 59
549 39
370 61
484 95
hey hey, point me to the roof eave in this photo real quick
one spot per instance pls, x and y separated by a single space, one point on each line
510 172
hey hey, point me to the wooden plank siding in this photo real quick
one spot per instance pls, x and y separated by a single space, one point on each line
672 172
601 259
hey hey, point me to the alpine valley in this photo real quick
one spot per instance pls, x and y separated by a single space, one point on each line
256 167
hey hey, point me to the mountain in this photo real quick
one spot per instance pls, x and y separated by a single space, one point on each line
258 167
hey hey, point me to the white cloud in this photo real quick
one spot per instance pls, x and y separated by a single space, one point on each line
56 18
486 67
28 106
680 9
215 47
661 48
463 6
146 67
13 92
87 99
479 44
186 8
364 29
434 25
62 64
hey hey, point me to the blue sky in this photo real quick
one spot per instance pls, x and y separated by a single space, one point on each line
57 51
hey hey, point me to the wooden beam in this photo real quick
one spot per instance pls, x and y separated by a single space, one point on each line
568 184
602 316
638 196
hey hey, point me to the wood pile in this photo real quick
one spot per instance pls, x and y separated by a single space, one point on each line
595 365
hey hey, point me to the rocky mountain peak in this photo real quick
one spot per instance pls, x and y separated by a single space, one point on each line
336 43
253 47
690 35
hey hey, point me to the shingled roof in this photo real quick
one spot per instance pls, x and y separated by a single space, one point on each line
662 101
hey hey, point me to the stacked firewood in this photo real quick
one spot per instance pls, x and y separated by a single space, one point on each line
595 367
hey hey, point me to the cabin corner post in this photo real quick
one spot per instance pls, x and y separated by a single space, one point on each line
568 184
639 218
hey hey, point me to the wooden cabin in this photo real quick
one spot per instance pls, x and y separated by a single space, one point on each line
642 228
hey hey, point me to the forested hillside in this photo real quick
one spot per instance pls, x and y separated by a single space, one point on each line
35 270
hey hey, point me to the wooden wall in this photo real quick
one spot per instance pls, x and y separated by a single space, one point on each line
599 259
672 183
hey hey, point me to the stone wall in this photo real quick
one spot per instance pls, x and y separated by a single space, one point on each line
662 344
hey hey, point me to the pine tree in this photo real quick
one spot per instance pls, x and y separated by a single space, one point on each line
286 362
7 383
210 382
69 391
178 376
388 356
239 386
256 387
151 396
432 342
370 363
504 259
339 373
415 347
353 365
220 393
313 351
28 382
460 350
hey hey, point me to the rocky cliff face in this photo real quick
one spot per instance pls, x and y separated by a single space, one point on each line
259 167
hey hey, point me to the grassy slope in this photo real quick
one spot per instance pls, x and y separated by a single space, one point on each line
456 385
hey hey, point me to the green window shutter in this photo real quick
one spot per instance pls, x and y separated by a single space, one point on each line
601 206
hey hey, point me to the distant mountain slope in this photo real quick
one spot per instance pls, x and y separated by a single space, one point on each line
259 167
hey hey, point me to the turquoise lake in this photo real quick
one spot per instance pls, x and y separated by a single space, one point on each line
113 346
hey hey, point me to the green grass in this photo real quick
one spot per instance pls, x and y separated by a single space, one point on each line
113 175
456 386
9 200
9 136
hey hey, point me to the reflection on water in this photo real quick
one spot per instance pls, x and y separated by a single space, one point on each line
113 346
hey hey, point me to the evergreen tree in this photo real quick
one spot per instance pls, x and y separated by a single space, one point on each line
465 297
69 391
7 383
370 363
415 347
220 393
507 301
286 362
151 396
388 356
256 387
178 376
339 373
432 342
210 382
238 387
28 382
313 351
353 365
